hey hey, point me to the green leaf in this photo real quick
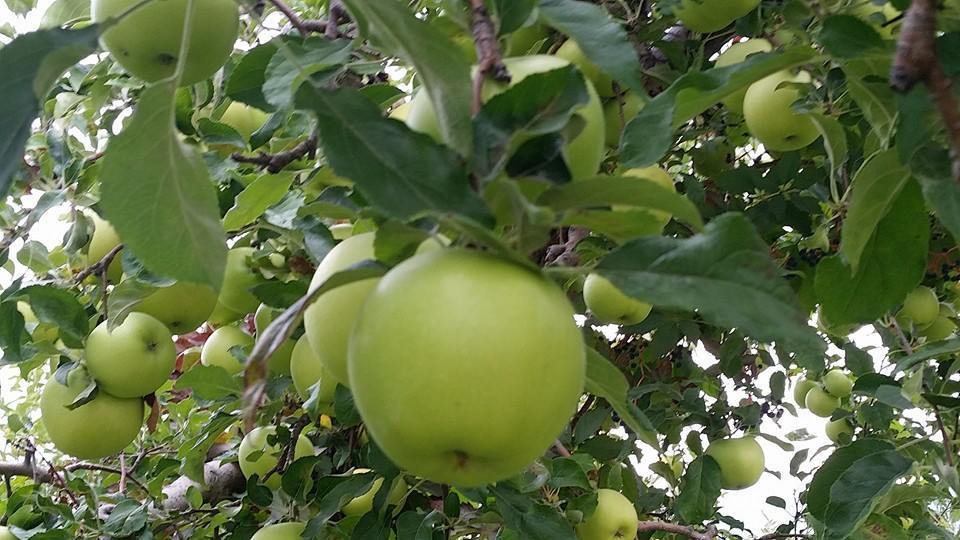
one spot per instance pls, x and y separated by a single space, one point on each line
338 491
512 14
209 382
533 521
295 62
648 136
401 172
606 381
892 264
126 518
264 192
13 336
246 80
725 274
699 490
417 526
876 101
124 299
846 36
602 40
157 193
849 484
439 63
940 189
873 192
834 141
65 12
61 309
30 65
934 350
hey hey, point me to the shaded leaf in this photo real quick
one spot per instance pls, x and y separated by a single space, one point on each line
606 381
699 490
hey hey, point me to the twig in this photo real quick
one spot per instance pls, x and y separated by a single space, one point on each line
84 466
100 267
689 532
561 449
274 163
490 61
336 15
291 16
289 452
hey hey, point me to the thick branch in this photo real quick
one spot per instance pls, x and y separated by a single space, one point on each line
689 532
490 61
220 481
274 163
45 476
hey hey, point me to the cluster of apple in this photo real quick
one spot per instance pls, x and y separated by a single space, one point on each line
823 398
925 314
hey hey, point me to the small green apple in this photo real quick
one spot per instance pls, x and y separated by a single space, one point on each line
837 383
238 279
921 306
243 118
736 54
878 15
257 456
307 369
609 305
264 316
182 306
768 112
223 315
363 504
711 15
571 52
216 351
614 519
632 105
134 359
821 403
280 531
497 415
939 330
100 428
741 461
103 240
800 392
839 430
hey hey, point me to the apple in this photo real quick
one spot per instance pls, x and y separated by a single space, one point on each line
363 504
307 369
147 41
571 52
837 383
878 16
342 231
398 113
767 110
243 118
238 279
583 154
478 335
134 359
103 240
741 461
100 428
660 177
257 456
609 305
939 330
614 519
737 53
632 105
921 306
216 351
712 15
182 306
41 331
223 315
800 392
821 403
280 531
837 428
523 41
5 534
264 316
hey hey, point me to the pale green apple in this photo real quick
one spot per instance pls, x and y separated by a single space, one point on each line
342 231
571 52
523 40
264 316
41 331
632 105
182 306
614 519
279 361
800 391
238 279
479 335
837 383
100 428
741 461
147 41
821 403
768 112
609 305
243 118
658 176
5 534
223 315
939 330
257 456
216 351
712 15
134 359
103 240
878 16
737 53
307 369
363 504
837 428
921 306
280 531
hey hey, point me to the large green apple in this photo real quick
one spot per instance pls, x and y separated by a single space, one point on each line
100 428
583 154
279 361
741 461
307 369
800 392
821 403
238 279
361 505
280 531
632 105
134 359
223 315
737 53
837 383
921 306
614 519
103 240
712 15
609 305
767 110
243 118
257 456
216 350
571 52
182 306
837 429
147 41
448 360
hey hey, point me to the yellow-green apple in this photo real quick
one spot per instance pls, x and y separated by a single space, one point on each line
821 403
571 52
712 15
182 306
478 334
341 231
359 506
279 361
837 383
147 41
238 279
800 392
134 359
737 53
280 531
921 306
522 41
307 370
837 428
243 118
609 305
41 331
614 519
582 154
257 456
398 113
223 315
632 105
768 112
940 329
216 351
880 16
100 428
741 461
264 316
103 240
660 177
5 534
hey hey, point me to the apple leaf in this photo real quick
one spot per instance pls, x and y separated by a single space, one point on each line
14 338
63 12
876 101
30 65
438 62
940 348
61 309
726 275
606 381
299 61
336 491
834 142
247 77
124 299
847 36
209 382
416 526
699 490
532 520
940 189
602 39
265 191
157 193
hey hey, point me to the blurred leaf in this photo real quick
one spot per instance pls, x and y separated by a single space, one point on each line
533 521
846 36
604 380
699 490
940 189
13 336
209 382
63 12
417 526
296 63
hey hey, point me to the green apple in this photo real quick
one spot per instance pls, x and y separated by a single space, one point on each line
741 461
307 369
147 41
583 154
257 456
632 105
243 118
279 361
41 331
280 531
398 113
821 403
712 15
223 315
363 504
182 306
878 16
238 279
523 41
134 359
571 52
342 231
921 306
767 110
216 351
837 429
614 519
658 176
737 53
609 305
477 334
939 330
264 316
837 383
103 240
100 428
800 392
5 534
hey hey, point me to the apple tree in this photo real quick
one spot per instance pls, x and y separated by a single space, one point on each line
514 269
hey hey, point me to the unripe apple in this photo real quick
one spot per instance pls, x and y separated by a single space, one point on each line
477 334
837 383
216 351
134 359
712 15
571 52
100 428
609 305
5 534
660 177
737 53
363 504
280 531
398 113
939 330
341 231
238 279
921 306
182 306
279 361
632 105
522 41
40 332
257 456
614 519
243 118
741 461
307 369
878 16
223 315
821 403
800 392
103 240
146 42
768 112
835 429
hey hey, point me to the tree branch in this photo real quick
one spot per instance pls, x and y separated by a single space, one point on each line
274 163
689 532
100 267
220 480
490 60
